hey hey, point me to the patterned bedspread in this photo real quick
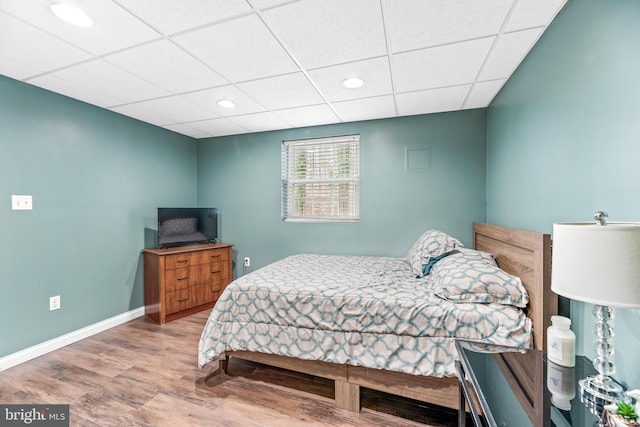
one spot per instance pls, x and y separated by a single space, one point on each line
365 311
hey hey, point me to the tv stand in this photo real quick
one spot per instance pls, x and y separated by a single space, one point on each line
182 280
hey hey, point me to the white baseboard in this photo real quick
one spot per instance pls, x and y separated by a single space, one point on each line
37 350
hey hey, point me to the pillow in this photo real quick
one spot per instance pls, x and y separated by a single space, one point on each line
179 226
432 243
469 255
461 279
426 268
475 254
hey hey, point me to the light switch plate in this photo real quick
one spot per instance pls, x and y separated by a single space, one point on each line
54 303
21 203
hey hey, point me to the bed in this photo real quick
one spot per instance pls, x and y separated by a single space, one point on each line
370 322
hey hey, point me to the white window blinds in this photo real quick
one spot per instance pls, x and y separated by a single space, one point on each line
321 179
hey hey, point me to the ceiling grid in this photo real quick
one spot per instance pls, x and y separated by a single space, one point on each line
281 62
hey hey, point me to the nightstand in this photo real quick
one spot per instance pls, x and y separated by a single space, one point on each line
507 386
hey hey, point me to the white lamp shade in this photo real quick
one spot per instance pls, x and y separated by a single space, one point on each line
598 264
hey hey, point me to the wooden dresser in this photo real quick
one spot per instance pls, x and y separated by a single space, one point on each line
183 280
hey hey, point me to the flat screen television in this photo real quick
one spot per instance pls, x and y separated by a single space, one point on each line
182 226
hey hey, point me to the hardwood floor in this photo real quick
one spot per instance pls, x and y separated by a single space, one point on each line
144 374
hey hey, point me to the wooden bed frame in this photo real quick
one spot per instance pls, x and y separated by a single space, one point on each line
524 254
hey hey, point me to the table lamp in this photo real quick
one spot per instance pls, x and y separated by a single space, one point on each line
598 263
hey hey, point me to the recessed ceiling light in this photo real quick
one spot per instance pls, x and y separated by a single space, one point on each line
352 82
225 103
71 15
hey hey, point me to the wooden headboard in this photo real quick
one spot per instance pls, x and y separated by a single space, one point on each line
525 254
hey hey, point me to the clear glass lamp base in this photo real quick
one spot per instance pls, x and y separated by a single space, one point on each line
600 391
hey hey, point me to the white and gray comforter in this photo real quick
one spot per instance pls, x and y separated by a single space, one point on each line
359 310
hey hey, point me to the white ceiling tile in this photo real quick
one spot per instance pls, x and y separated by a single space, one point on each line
171 16
313 115
441 66
36 50
187 130
260 122
218 127
168 66
432 101
508 52
327 32
177 108
241 49
483 93
137 112
110 80
76 91
268 4
365 109
533 13
207 99
418 24
14 70
113 27
374 72
282 92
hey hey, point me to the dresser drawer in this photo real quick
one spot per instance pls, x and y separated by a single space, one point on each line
214 255
180 300
206 293
194 296
182 260
181 278
189 259
215 272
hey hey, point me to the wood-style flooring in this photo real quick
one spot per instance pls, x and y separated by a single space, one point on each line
144 374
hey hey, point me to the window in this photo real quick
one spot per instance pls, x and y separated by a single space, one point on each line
321 179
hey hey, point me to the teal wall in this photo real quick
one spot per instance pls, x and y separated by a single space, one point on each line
563 141
96 178
240 175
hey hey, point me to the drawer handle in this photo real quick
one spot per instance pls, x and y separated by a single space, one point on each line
182 260
183 299
215 256
215 272
183 278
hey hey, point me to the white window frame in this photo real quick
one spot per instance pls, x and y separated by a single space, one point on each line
331 175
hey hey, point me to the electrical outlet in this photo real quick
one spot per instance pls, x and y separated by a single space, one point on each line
54 303
247 261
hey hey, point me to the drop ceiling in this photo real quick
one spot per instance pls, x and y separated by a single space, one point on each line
168 62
